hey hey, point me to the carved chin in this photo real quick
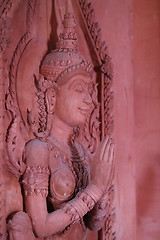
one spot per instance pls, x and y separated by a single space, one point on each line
79 120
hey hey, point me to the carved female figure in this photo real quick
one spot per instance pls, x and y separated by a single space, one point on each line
60 196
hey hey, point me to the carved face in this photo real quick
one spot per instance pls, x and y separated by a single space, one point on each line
73 101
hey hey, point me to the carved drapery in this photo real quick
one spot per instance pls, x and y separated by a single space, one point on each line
101 121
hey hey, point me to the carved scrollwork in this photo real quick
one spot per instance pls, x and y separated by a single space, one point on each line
89 134
6 11
105 64
15 143
17 134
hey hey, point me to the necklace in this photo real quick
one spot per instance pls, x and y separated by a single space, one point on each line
61 151
74 156
59 143
72 151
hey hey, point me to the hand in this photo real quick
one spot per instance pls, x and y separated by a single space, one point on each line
102 169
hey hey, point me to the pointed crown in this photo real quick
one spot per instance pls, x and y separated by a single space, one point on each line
65 60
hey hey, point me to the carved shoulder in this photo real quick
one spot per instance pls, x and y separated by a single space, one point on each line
36 153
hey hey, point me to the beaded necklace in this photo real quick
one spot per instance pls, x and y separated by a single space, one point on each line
74 156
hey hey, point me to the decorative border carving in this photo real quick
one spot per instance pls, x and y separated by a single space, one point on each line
6 11
2 146
105 64
101 49
7 8
20 48
16 125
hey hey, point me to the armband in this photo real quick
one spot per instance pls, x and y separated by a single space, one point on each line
35 181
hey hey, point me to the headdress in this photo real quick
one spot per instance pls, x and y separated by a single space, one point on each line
65 60
60 65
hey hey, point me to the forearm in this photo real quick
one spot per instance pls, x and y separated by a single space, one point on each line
35 185
53 223
95 219
45 224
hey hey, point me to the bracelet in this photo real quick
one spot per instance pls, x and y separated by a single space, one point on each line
83 202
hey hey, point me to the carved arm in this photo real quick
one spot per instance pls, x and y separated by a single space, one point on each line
35 183
95 219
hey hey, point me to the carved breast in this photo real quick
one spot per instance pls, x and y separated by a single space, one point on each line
62 184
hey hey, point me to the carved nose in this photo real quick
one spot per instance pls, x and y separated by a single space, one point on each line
88 99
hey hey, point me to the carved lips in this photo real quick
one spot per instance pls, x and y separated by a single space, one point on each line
85 110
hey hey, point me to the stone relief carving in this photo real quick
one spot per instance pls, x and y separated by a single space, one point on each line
38 154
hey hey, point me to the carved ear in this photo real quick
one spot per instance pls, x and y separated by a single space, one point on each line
50 100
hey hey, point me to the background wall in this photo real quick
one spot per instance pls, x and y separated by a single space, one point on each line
132 32
147 116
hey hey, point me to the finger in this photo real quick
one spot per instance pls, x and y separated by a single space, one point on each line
112 173
110 178
106 152
111 153
102 146
112 166
110 161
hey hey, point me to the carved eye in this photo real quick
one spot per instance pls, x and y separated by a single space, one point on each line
90 88
79 89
